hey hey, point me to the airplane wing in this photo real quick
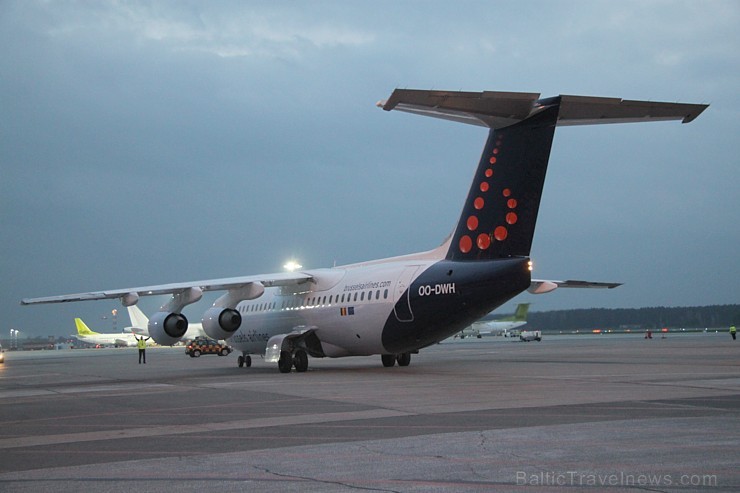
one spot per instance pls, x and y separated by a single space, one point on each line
132 294
539 286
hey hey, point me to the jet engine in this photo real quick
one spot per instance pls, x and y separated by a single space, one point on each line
221 323
167 328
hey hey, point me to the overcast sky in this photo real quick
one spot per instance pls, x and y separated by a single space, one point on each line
155 142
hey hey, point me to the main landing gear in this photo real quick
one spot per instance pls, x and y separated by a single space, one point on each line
389 360
299 360
243 360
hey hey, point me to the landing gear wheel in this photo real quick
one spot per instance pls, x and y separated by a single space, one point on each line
388 360
285 363
240 361
300 361
248 361
404 359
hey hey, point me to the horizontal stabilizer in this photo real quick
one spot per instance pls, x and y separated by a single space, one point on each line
581 110
539 286
495 109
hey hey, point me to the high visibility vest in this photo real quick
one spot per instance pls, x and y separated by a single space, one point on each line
140 343
732 330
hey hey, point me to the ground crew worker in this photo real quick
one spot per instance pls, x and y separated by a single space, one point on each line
141 344
732 332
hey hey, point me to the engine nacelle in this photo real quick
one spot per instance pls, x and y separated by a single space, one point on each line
167 328
221 323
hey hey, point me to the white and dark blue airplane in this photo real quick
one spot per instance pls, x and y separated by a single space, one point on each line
395 307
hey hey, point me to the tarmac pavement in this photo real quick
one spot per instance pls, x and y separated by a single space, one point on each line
570 413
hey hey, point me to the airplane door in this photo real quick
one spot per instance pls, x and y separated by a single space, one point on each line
401 296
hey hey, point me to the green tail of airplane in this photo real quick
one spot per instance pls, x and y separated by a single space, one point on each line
83 329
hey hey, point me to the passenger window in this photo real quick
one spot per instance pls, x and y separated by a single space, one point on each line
385 294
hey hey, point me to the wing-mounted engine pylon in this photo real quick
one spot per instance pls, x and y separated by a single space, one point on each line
222 319
168 325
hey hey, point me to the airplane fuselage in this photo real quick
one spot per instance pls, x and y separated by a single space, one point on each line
382 308
124 340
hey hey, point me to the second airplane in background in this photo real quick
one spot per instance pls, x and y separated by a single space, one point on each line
88 336
491 325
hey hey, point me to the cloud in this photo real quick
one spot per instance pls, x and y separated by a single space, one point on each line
246 31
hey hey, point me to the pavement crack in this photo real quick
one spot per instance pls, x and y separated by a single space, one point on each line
323 481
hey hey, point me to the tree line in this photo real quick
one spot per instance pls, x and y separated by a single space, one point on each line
713 316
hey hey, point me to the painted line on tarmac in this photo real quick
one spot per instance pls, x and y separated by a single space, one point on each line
6 394
302 419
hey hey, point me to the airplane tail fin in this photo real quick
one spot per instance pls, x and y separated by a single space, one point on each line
139 321
500 212
83 329
520 315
